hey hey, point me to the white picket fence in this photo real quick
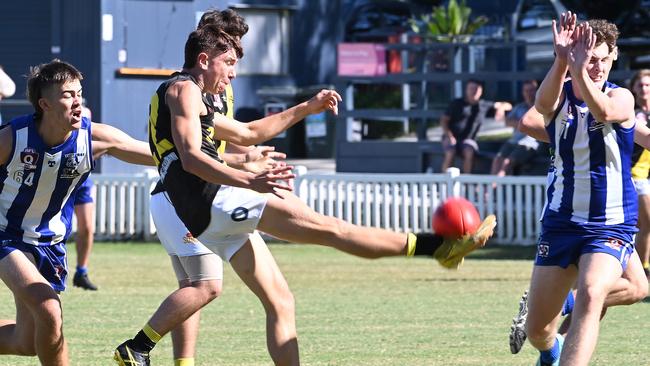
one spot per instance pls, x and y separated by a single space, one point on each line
402 202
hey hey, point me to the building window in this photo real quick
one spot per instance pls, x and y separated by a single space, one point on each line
266 45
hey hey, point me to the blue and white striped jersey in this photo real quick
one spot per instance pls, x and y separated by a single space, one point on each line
37 182
590 180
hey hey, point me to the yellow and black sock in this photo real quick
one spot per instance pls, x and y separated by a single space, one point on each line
646 268
145 340
422 244
185 361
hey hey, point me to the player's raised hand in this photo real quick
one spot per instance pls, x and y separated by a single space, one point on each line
582 49
564 37
269 181
326 99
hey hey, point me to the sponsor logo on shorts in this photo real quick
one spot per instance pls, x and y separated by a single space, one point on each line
543 249
189 239
239 214
615 244
59 270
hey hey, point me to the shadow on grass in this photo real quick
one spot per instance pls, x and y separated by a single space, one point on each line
509 252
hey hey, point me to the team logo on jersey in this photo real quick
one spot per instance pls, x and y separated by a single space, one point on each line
543 249
72 162
29 158
190 239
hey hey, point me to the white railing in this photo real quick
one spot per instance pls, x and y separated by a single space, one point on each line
402 202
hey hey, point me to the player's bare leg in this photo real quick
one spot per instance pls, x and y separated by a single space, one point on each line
598 274
84 243
548 288
643 236
185 335
257 268
290 219
43 333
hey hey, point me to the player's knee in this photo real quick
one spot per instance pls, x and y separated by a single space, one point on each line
284 303
49 314
209 289
641 291
592 296
25 348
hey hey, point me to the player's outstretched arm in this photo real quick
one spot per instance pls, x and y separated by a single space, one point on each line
261 130
185 105
548 94
113 141
6 142
642 135
532 124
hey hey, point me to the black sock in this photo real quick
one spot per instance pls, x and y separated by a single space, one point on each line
427 244
142 343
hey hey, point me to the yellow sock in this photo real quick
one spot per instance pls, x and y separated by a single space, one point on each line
188 361
152 334
410 244
646 265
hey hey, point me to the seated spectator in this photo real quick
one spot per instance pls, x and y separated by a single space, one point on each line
520 148
462 121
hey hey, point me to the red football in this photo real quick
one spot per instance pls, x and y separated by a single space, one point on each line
455 218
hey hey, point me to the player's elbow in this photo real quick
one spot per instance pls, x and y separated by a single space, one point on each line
190 161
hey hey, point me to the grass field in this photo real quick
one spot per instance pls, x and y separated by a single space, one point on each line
349 311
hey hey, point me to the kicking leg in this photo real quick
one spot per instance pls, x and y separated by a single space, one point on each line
257 268
290 219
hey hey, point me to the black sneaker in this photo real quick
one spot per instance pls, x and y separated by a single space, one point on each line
81 280
126 356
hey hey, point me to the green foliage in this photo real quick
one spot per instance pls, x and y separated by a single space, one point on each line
350 311
450 24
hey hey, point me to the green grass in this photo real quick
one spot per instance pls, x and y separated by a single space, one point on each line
349 311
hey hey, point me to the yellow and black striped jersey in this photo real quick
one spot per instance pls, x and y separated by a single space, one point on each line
227 99
640 156
190 195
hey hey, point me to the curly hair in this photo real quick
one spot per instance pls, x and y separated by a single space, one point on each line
605 32
228 20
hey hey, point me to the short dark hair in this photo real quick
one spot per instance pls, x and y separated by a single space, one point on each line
605 32
211 40
55 72
228 20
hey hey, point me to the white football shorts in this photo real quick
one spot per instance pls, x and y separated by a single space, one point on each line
235 214
642 187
